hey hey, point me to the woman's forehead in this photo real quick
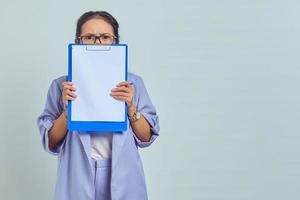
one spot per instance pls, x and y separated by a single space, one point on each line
96 25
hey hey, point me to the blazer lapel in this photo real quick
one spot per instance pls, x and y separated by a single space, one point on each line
86 143
117 144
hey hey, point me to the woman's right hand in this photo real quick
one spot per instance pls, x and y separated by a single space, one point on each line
60 127
68 92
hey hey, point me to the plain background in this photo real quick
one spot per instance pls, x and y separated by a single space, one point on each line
223 75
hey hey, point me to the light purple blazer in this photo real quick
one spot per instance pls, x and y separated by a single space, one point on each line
74 172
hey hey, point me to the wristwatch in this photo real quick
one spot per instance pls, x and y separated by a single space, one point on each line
136 115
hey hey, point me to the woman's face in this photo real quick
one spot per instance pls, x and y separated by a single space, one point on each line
97 29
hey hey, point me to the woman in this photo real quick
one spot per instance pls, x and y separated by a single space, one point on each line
99 165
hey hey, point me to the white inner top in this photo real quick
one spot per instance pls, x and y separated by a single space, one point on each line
101 145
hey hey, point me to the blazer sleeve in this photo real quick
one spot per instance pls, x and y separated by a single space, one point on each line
53 109
146 108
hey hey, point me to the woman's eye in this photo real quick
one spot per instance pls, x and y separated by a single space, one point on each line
105 37
90 37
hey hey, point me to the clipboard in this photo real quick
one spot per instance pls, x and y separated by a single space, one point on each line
95 70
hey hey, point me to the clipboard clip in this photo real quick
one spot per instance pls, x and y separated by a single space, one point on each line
97 48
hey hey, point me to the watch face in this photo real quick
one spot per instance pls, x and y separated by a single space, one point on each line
138 115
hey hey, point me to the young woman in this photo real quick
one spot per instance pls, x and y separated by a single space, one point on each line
99 165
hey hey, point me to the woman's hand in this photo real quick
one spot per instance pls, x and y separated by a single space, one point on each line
124 91
60 127
68 92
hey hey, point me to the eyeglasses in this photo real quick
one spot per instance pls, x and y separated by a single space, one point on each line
104 38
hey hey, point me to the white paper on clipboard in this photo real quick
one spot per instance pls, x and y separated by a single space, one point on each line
95 71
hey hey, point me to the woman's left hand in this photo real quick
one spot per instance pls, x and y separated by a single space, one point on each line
124 91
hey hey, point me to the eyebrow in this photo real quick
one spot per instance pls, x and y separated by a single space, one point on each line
86 34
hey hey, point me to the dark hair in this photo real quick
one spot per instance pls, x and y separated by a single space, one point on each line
92 14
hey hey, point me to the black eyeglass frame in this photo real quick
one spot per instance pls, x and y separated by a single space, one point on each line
79 38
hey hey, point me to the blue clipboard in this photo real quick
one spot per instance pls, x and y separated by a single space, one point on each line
94 70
